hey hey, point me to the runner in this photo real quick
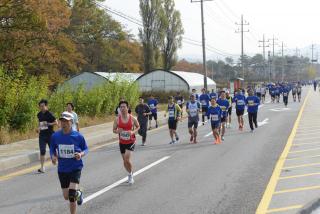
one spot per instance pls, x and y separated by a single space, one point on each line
45 130
174 112
285 94
68 147
263 93
75 120
204 100
315 85
272 93
258 92
240 101
180 101
294 93
299 91
213 94
277 93
214 115
143 111
194 92
229 98
193 109
224 105
253 103
153 105
126 126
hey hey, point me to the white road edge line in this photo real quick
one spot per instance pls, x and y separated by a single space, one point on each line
100 192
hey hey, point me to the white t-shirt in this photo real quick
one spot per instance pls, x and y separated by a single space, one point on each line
75 120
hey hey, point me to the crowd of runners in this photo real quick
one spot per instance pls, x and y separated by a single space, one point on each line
68 146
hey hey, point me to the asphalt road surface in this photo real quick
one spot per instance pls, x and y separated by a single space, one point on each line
181 178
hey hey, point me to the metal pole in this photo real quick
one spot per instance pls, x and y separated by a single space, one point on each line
242 47
204 49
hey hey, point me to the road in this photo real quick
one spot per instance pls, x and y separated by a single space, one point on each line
203 178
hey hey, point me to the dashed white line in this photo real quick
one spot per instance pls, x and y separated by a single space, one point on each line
100 192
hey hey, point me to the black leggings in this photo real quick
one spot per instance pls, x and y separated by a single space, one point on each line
143 131
253 119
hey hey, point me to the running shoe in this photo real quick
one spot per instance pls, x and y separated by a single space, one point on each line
222 138
79 197
177 137
41 170
130 179
156 125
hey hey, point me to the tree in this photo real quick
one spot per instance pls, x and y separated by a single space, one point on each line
152 32
173 34
35 38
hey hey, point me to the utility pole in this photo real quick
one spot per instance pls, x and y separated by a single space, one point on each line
282 57
264 45
269 60
242 51
273 44
204 64
312 48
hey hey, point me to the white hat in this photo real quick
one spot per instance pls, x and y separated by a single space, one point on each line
66 115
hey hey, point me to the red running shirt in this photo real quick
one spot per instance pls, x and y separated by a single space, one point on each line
124 136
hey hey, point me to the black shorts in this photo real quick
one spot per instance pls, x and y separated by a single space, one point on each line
66 178
224 119
259 95
230 111
215 125
44 140
299 93
293 93
263 95
172 124
153 115
181 106
124 147
193 123
239 112
204 109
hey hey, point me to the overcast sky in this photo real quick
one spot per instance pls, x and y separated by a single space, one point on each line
294 22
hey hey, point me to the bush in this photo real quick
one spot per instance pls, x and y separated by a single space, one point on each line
98 101
19 97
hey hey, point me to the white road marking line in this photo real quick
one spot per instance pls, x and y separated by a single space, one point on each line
100 192
264 122
207 135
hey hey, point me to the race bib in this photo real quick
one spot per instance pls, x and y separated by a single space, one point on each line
171 113
240 102
179 102
251 103
43 125
125 135
203 102
285 94
214 117
193 112
66 151
152 106
223 108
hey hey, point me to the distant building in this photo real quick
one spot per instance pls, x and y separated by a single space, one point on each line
161 80
91 79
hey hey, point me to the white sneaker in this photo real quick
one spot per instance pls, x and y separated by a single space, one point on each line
130 179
